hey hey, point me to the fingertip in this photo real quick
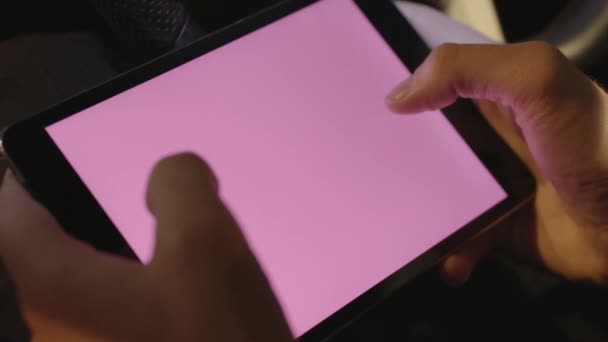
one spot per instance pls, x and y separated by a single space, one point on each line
181 161
394 107
396 100
180 179
455 271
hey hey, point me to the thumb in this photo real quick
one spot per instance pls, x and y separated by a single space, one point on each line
560 112
200 247
192 220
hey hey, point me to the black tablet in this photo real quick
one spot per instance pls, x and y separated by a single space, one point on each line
341 201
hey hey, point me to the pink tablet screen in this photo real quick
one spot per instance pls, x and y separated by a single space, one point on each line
333 192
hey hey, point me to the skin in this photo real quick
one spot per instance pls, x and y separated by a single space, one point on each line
556 119
204 284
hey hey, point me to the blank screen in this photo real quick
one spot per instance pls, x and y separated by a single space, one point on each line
333 192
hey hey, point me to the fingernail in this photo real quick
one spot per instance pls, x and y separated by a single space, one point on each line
401 92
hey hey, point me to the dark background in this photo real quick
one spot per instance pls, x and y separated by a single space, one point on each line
51 50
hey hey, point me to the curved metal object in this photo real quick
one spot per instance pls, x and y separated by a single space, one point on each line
144 25
581 31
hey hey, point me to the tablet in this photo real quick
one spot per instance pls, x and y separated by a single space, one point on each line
341 201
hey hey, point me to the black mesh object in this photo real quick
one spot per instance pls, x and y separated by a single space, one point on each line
144 26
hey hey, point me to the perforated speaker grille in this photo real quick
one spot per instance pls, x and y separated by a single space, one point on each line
144 24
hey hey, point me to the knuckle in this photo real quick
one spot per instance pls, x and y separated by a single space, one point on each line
440 57
542 48
547 65
444 51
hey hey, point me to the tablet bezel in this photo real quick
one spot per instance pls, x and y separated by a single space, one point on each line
45 172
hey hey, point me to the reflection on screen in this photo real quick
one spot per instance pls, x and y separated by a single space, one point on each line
333 192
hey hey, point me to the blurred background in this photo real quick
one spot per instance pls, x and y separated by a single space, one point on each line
52 50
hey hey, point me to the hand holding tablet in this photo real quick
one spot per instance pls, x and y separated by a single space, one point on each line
322 191
340 201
